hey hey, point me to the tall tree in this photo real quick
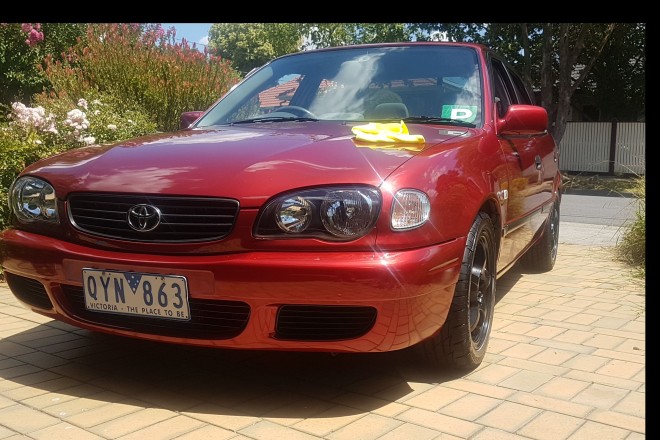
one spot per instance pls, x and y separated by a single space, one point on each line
616 86
249 45
573 66
340 34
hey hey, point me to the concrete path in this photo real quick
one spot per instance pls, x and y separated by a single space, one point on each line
593 218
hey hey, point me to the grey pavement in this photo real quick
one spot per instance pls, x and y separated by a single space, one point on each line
593 218
566 361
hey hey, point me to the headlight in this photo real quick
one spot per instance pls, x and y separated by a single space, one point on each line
33 199
410 209
294 214
335 213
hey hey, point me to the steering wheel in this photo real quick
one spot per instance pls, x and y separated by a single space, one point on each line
297 111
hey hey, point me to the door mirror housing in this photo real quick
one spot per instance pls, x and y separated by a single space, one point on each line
522 119
187 118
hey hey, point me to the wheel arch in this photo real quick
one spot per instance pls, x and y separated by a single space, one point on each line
491 207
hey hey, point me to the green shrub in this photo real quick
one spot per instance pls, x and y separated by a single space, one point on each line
632 247
143 67
106 117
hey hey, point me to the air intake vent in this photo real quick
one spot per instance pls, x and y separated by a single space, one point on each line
323 323
29 291
155 219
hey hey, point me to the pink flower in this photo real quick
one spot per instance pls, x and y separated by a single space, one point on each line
34 36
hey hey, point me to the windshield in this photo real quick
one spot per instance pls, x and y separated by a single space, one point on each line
425 83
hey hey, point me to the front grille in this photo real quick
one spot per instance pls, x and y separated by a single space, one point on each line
209 319
323 323
182 219
29 291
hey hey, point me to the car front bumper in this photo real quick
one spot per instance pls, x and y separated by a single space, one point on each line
406 294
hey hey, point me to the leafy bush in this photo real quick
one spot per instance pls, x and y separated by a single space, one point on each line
143 67
632 247
95 118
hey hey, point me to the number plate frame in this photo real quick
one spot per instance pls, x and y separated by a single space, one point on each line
129 293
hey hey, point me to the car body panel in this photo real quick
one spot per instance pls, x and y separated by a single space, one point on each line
239 160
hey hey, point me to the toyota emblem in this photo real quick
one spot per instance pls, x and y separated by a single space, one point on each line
143 218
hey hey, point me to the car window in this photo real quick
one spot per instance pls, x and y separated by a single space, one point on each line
276 93
281 93
365 84
502 89
519 86
509 86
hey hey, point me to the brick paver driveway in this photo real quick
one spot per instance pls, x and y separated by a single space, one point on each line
566 361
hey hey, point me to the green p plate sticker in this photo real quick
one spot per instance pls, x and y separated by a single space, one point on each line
467 113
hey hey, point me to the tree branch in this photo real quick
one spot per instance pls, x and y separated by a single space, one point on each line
589 66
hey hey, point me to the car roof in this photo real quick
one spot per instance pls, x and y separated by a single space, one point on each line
477 46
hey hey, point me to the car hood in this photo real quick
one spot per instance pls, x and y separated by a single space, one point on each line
248 163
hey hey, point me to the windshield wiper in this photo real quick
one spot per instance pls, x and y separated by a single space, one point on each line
273 119
435 120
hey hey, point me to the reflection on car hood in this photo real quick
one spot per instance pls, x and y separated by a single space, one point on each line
247 163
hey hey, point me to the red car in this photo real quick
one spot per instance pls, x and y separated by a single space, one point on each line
351 199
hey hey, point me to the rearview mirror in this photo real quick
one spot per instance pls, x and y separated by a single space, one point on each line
187 118
521 119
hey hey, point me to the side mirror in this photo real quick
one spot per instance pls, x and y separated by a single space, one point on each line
521 119
187 118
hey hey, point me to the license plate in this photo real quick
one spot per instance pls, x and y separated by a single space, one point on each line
135 293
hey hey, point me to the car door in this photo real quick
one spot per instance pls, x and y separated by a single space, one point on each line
525 196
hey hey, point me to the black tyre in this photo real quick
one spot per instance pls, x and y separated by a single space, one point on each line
542 255
462 341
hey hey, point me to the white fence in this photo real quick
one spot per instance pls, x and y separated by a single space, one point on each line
604 148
